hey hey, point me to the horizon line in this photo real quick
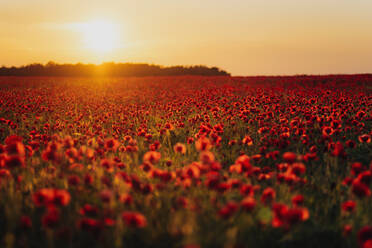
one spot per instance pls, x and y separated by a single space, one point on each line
182 65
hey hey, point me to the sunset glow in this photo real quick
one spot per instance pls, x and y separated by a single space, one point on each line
250 37
100 36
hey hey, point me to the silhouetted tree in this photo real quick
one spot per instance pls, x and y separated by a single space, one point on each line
108 69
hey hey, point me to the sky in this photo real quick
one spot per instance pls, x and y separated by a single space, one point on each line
244 37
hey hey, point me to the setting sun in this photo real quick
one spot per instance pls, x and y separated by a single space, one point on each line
100 36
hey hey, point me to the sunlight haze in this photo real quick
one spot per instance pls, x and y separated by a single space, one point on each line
243 37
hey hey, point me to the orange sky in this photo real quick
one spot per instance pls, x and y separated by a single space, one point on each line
244 37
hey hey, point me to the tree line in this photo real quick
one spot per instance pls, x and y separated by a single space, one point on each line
108 69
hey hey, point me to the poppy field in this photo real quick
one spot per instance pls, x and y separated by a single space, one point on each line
186 161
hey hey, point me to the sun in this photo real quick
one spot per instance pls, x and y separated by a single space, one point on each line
100 36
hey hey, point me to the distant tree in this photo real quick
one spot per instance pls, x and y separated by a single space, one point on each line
108 69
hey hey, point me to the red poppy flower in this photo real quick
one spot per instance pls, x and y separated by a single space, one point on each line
247 140
90 225
360 189
268 195
179 148
51 217
25 222
295 215
134 219
297 200
365 138
206 157
289 157
61 197
203 144
14 161
347 229
152 157
348 206
88 210
248 204
365 236
228 210
43 197
111 144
